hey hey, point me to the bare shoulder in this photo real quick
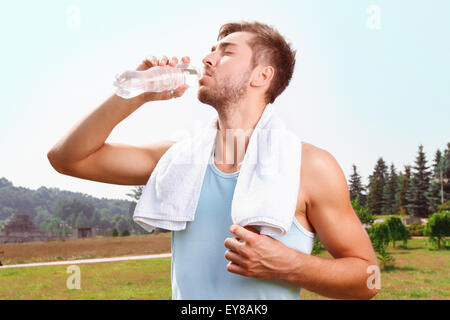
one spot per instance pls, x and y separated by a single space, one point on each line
329 209
320 174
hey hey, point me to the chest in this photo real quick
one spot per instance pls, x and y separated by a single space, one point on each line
301 209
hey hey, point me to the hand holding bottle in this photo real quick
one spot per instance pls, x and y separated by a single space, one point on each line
153 84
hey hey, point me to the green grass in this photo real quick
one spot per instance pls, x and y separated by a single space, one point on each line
135 279
419 273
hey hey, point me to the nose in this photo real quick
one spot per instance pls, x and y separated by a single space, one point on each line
209 60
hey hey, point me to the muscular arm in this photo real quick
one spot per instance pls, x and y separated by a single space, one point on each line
330 212
83 152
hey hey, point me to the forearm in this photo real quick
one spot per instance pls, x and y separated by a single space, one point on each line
90 133
343 278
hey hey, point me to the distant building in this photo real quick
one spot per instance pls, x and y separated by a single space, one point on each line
21 228
411 220
87 232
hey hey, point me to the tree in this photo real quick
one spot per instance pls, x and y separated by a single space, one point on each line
363 213
125 233
434 191
385 258
104 224
81 221
95 219
380 235
404 182
53 224
418 205
444 206
376 185
64 208
438 227
356 188
41 216
446 172
389 192
397 229
122 224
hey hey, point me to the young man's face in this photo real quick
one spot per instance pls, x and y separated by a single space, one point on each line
227 71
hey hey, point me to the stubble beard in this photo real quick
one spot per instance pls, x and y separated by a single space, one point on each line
223 97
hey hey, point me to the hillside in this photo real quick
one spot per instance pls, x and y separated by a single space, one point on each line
51 207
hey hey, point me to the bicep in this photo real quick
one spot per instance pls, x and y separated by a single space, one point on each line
120 164
330 210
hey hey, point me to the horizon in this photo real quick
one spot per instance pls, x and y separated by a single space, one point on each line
429 164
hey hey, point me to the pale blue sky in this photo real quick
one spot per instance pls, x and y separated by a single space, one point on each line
357 92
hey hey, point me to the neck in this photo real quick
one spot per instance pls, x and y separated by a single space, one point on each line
234 129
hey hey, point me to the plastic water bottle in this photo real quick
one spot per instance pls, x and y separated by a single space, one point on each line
130 83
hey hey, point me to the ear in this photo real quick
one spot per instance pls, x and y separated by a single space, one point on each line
263 76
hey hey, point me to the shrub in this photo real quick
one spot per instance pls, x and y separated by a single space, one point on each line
317 246
444 206
363 213
438 227
385 258
416 229
397 230
125 233
115 233
379 234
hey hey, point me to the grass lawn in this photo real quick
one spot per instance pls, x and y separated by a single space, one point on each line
419 273
135 279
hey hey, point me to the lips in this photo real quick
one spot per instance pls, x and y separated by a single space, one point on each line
206 73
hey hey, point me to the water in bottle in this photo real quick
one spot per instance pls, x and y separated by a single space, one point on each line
130 83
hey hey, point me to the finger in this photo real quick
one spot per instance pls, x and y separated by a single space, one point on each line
173 62
234 257
242 233
150 61
234 268
163 61
234 245
178 92
186 59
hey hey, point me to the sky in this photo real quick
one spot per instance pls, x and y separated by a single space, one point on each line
372 78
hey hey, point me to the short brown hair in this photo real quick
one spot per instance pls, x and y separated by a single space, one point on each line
268 46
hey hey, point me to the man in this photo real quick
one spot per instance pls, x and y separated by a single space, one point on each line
249 66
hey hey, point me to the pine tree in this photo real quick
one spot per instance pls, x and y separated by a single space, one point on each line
418 205
135 195
434 191
404 182
356 188
389 192
376 185
446 172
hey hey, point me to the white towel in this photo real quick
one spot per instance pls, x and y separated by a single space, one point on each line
266 192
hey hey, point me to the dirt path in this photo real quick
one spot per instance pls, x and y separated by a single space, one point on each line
73 262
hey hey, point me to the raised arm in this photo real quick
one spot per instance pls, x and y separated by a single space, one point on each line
83 153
